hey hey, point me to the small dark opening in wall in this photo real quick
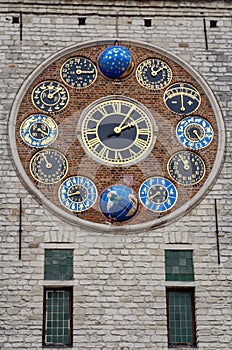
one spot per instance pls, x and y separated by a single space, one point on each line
15 20
213 24
81 21
147 22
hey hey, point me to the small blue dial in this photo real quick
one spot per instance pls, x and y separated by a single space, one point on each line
194 132
38 130
158 194
77 193
182 98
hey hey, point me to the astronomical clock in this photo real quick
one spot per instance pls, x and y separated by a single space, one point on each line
116 135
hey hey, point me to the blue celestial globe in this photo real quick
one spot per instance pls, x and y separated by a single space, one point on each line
115 62
119 203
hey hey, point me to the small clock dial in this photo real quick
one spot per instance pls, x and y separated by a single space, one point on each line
158 194
182 98
153 74
50 96
194 132
117 131
78 72
48 166
78 193
38 130
186 167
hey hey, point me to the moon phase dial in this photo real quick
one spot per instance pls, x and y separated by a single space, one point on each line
186 168
77 193
182 98
158 194
48 166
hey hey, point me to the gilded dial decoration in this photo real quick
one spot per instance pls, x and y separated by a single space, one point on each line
158 194
50 96
48 166
182 98
153 74
77 193
186 167
38 130
194 132
78 72
117 130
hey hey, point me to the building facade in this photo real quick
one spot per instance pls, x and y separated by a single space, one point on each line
155 277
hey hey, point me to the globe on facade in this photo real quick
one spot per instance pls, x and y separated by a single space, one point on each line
119 203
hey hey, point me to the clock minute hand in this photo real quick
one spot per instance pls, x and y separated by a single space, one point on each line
118 128
155 72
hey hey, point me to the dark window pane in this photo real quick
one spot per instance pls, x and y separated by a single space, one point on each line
58 264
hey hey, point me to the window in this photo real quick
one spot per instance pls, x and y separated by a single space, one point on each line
181 316
57 325
58 264
179 265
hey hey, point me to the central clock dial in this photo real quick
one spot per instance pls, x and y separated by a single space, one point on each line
117 131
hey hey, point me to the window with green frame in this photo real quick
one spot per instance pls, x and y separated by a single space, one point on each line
181 316
58 264
57 320
179 265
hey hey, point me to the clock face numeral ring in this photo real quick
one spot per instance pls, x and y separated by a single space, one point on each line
117 130
153 74
77 193
194 132
186 168
158 194
48 166
38 130
50 96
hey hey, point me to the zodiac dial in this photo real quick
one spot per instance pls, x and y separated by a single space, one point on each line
38 130
77 193
48 166
78 72
117 130
182 98
186 167
194 132
153 74
50 96
158 194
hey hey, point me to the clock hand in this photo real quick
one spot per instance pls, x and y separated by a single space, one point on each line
182 108
74 194
185 162
196 133
79 71
48 165
43 132
51 94
154 195
118 129
155 72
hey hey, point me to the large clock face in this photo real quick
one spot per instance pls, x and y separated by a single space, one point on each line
116 137
117 131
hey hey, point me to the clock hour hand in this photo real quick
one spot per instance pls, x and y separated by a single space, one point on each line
51 94
77 193
80 71
48 164
118 129
154 195
185 162
155 72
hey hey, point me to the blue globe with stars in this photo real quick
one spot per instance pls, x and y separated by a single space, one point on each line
116 62
119 203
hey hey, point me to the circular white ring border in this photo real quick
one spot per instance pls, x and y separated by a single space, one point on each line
69 218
